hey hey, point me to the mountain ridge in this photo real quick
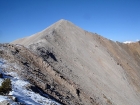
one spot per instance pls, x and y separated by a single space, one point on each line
86 66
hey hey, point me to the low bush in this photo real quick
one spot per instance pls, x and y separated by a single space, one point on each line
6 87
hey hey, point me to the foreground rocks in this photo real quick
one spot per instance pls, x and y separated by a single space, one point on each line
40 73
11 100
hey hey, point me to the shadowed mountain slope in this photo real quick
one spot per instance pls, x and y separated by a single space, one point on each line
86 69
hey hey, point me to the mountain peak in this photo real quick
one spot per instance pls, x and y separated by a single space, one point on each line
64 25
77 67
61 21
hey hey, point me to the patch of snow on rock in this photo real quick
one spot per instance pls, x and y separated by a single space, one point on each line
20 91
27 96
2 98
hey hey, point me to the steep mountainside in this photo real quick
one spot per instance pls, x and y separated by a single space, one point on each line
78 67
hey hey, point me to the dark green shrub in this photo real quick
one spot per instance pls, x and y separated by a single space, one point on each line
1 76
6 87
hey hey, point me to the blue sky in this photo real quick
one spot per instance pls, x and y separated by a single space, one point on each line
118 20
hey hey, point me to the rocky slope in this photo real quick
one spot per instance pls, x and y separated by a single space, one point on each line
23 92
78 67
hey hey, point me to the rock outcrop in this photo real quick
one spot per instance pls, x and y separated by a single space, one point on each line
78 67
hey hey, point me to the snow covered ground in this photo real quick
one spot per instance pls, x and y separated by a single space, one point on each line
24 95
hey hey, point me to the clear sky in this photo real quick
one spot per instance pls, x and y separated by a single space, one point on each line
118 20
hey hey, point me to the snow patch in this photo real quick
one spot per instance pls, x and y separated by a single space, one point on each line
2 98
1 80
27 96
128 42
21 91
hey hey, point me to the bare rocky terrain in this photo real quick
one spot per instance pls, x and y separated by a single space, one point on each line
77 67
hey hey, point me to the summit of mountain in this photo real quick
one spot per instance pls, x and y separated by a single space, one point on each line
54 27
78 67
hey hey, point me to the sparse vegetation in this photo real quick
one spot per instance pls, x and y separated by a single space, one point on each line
1 76
1 52
6 87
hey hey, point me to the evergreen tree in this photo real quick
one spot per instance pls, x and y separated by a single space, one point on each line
6 87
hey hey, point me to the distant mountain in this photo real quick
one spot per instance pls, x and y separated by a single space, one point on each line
77 67
128 42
